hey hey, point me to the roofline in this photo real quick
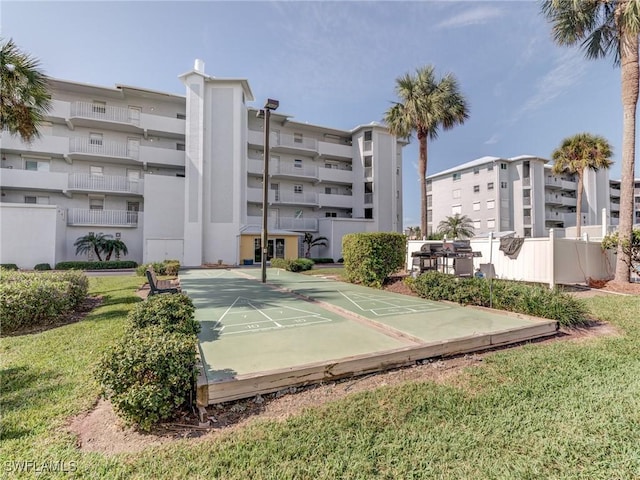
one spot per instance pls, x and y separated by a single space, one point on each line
208 78
118 88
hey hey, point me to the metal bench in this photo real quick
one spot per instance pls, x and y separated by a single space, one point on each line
162 286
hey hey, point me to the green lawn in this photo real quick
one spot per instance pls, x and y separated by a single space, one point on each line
547 410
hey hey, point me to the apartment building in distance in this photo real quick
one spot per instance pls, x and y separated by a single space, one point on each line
520 195
614 189
180 176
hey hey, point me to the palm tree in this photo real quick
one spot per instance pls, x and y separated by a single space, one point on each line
603 28
91 242
577 154
111 246
426 105
24 97
457 226
311 241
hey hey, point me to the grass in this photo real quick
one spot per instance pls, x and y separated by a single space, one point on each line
545 410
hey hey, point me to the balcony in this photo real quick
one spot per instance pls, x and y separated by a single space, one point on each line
88 149
568 201
335 200
31 180
255 167
292 198
46 145
553 199
615 206
614 192
163 126
287 143
334 150
102 218
162 157
105 183
335 175
283 170
88 114
287 223
255 138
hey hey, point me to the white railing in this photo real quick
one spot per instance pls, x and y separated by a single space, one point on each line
80 216
104 183
292 223
103 112
368 198
553 198
368 172
295 198
286 140
94 147
288 169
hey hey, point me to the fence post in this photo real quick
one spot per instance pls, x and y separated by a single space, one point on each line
551 259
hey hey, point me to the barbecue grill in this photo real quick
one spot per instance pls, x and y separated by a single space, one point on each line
454 257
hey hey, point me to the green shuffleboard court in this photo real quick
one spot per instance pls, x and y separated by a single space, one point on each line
298 329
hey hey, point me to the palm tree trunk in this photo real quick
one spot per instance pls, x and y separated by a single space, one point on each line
629 74
422 171
97 252
579 205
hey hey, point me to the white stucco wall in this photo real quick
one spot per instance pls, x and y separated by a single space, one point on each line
163 233
28 234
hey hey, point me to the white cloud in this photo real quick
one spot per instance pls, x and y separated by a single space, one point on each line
474 16
495 138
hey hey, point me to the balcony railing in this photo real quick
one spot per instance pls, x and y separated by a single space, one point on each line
104 183
368 172
287 223
294 171
102 148
286 140
368 198
293 198
104 112
119 218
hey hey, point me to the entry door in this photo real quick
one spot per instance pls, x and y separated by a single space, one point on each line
134 115
279 247
275 137
133 148
276 191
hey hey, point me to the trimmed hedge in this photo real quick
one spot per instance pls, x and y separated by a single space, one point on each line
322 260
148 374
110 265
42 266
296 265
33 299
369 258
9 266
534 300
168 267
173 313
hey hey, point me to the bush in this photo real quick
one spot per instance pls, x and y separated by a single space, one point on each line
110 265
168 267
172 313
297 265
148 374
534 300
9 266
322 260
42 266
369 258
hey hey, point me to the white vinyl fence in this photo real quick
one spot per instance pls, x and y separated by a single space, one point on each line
548 260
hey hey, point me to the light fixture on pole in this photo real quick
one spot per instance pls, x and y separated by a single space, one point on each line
270 105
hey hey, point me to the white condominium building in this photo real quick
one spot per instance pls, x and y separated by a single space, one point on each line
180 176
517 194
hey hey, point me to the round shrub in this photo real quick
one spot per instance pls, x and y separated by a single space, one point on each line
9 266
369 258
42 266
148 375
172 313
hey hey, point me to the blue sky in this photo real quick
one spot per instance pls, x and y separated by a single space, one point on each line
335 64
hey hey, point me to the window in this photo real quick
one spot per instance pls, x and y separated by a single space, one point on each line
30 199
503 184
476 170
490 167
329 190
490 186
429 201
297 138
476 188
456 193
456 209
456 177
298 214
503 166
181 116
95 139
297 189
99 107
96 204
180 146
368 213
330 214
429 185
477 224
476 206
297 163
36 165
527 232
491 204
96 170
331 165
368 135
491 223
368 160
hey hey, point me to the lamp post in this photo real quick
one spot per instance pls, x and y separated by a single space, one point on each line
270 105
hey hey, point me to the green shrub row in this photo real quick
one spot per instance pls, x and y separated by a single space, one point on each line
34 299
110 265
535 300
9 266
369 258
151 371
168 267
42 266
295 265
